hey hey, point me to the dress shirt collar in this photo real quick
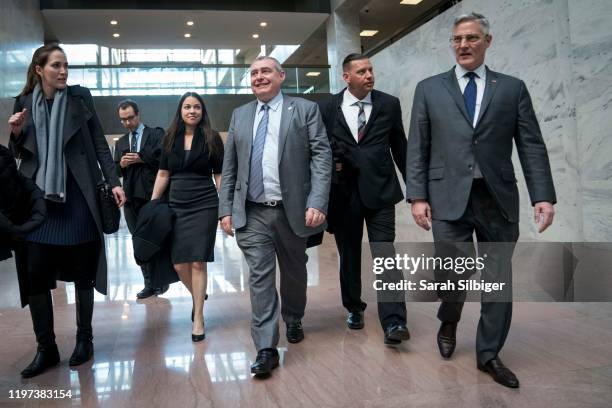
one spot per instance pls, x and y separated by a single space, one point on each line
274 103
351 99
138 130
460 72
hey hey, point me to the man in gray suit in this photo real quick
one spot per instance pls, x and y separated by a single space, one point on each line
274 192
460 177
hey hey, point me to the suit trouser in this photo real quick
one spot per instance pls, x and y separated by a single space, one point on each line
130 211
484 217
348 232
266 236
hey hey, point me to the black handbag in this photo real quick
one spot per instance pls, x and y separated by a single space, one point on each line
109 212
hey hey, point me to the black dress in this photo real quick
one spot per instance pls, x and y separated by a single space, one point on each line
193 197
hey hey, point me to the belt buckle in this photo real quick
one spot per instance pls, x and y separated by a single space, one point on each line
271 203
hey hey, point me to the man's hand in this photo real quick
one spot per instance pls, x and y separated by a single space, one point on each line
421 212
226 225
17 120
119 195
314 217
543 214
130 158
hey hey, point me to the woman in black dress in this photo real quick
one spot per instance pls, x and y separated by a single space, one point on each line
58 141
191 156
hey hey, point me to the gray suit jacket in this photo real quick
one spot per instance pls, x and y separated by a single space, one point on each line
443 146
304 163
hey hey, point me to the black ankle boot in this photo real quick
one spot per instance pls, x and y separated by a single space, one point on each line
47 355
83 350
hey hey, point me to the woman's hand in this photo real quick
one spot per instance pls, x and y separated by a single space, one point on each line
119 195
17 120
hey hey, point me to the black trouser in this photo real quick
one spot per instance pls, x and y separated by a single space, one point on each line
484 217
348 231
131 211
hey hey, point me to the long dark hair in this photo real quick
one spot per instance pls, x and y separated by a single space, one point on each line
212 138
40 58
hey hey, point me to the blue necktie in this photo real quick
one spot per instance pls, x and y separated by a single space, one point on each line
256 185
469 95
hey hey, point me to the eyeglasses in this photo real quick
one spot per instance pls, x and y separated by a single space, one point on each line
470 39
128 119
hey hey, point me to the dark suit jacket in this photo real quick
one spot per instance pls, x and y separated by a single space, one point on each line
84 147
369 162
443 146
138 179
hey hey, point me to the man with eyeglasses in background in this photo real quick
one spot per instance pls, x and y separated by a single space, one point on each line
460 178
137 156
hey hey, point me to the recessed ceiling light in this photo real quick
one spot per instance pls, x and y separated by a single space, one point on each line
263 24
190 23
187 35
368 33
255 35
116 35
115 138
113 22
313 73
411 2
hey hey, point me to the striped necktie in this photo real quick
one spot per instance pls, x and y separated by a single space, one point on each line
361 121
255 191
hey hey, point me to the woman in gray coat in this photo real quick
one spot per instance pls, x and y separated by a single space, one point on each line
58 141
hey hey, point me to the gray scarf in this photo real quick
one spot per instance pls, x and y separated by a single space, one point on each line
51 174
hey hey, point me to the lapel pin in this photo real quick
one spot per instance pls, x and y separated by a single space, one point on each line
493 81
289 108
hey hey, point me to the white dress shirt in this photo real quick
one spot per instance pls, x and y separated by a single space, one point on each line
351 110
271 179
481 80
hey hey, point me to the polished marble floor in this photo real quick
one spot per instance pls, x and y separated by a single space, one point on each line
144 357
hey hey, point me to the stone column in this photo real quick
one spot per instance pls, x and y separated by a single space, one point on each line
342 39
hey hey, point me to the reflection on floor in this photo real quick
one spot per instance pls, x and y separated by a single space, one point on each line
144 357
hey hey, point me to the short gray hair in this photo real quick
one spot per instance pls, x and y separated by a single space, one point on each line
277 65
479 18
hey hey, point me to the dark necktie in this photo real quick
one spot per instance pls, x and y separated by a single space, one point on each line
361 121
134 146
469 95
256 185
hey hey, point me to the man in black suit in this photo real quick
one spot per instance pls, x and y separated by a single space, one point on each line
367 136
137 156
460 177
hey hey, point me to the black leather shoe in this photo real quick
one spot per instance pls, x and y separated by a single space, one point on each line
447 339
500 373
83 352
198 337
161 290
267 360
295 332
395 333
355 320
145 293
45 358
